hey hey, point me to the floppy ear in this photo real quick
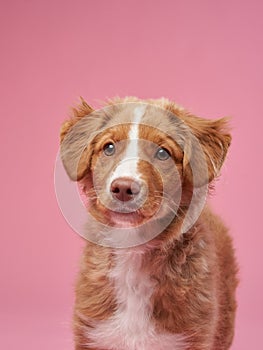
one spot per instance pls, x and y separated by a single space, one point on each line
75 140
214 138
82 110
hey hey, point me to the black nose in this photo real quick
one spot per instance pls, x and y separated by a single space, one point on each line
125 189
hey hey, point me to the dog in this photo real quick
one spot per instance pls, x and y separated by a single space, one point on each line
159 269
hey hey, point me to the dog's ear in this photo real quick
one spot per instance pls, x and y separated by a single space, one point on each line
82 110
214 138
75 136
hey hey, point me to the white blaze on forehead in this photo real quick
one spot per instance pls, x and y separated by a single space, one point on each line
137 114
129 163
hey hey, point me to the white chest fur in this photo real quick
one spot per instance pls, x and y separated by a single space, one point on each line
131 328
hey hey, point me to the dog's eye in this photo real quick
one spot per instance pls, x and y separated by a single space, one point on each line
109 149
162 154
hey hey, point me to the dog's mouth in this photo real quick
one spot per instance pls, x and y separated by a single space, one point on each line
124 215
123 219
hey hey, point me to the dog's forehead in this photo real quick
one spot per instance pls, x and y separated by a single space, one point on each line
138 113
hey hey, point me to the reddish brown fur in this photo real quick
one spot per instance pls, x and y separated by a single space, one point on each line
195 273
93 282
183 279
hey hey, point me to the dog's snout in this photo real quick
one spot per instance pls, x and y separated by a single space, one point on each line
125 189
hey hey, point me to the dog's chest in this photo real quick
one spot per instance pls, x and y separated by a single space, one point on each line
131 327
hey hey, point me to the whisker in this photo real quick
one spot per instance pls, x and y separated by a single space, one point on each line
168 202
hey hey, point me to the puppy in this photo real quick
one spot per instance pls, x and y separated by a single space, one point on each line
158 271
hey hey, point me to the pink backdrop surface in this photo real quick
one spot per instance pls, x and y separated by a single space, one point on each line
206 55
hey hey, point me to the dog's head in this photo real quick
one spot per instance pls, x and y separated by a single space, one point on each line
137 160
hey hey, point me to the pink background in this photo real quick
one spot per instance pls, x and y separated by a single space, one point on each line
207 55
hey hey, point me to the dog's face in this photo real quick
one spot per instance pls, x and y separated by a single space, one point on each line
140 160
133 167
